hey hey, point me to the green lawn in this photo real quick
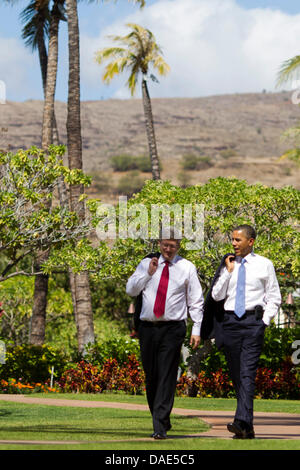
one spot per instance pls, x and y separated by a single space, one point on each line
226 404
101 428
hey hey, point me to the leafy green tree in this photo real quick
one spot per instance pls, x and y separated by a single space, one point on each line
139 52
227 202
16 295
29 180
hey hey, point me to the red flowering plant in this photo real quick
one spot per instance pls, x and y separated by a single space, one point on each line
132 378
215 384
282 383
85 377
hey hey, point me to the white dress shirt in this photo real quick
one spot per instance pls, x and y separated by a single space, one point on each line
184 291
261 286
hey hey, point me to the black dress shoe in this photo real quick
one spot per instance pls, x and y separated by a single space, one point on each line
241 430
160 435
168 427
247 435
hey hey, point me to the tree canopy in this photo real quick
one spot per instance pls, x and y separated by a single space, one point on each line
227 202
28 223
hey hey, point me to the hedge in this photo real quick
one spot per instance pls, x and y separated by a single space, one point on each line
115 365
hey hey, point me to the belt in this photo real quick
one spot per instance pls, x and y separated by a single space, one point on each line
248 312
161 323
258 311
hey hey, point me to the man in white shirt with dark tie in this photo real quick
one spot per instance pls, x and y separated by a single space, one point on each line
170 289
250 290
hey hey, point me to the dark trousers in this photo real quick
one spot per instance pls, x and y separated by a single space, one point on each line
243 341
160 345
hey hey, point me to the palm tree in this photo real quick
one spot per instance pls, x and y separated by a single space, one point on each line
140 51
80 282
40 24
56 15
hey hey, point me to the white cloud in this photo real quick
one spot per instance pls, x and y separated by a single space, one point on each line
17 67
212 46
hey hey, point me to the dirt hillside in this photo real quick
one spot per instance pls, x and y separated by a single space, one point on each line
239 134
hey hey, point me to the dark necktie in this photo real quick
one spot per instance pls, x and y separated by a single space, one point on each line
161 295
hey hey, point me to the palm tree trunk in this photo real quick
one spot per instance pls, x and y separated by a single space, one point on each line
150 131
38 319
81 287
48 114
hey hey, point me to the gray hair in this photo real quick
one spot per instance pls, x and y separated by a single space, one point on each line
169 233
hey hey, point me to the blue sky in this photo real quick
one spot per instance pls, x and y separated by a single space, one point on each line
212 46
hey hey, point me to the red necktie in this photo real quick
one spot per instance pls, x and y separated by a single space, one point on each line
160 301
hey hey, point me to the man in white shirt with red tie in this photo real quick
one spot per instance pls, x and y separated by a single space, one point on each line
170 289
249 287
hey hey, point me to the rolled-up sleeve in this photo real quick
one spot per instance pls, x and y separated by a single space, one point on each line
219 290
137 282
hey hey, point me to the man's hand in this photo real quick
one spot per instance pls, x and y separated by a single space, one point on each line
229 261
195 341
153 266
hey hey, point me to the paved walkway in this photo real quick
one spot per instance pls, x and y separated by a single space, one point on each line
267 425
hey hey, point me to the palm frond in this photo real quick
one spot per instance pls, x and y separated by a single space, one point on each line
139 51
289 70
132 82
109 53
114 68
36 23
161 65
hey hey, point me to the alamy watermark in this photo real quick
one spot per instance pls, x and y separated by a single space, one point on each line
296 354
139 221
296 92
2 92
2 352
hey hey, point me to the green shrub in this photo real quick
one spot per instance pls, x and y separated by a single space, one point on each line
109 300
130 184
191 161
129 162
123 162
278 346
228 153
32 363
116 348
101 182
143 163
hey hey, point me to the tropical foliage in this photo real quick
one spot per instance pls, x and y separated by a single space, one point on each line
227 202
29 180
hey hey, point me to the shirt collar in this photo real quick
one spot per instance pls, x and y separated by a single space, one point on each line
249 258
162 259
